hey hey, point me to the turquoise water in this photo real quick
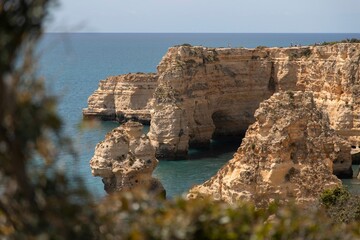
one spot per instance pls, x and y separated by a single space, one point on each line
73 64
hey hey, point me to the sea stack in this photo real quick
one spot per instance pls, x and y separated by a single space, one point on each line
125 161
288 154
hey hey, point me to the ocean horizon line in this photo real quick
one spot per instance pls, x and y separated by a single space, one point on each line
202 33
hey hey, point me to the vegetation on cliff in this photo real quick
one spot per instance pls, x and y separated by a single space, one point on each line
36 199
341 205
348 40
138 217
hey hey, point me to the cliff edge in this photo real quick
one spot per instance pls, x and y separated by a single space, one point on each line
199 93
287 154
207 92
123 97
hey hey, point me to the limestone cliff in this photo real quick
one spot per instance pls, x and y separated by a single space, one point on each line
125 160
123 97
206 92
288 153
199 93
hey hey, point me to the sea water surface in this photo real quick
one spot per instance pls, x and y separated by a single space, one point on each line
74 63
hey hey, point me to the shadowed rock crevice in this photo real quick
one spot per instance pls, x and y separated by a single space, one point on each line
272 83
227 125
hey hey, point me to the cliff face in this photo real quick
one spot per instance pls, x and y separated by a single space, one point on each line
288 153
123 97
125 160
206 92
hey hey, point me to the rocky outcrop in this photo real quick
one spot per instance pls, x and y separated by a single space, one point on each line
125 160
207 92
202 93
123 97
288 153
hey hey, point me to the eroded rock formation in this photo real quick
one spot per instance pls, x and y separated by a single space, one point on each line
288 153
125 160
123 97
205 92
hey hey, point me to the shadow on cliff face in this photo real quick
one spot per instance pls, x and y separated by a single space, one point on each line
217 147
231 123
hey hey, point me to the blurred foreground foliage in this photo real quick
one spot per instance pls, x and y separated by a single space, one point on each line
37 201
341 205
135 216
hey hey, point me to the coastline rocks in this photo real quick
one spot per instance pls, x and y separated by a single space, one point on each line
125 161
200 93
288 153
217 90
123 97
170 130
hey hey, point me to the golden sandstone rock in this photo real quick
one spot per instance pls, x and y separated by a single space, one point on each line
287 154
199 93
125 160
123 97
215 91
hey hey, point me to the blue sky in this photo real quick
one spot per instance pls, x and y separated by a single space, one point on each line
247 16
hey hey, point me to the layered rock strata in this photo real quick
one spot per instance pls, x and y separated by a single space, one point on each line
123 97
199 93
287 154
125 160
207 92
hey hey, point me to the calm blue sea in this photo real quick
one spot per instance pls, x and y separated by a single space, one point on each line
73 64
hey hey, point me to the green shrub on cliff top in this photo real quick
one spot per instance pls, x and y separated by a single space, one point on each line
348 40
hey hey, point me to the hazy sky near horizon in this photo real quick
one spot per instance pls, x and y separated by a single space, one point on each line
335 16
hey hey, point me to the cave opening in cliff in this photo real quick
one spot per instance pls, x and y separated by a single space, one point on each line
228 125
226 138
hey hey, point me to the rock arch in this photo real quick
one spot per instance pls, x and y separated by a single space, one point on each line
228 124
231 83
